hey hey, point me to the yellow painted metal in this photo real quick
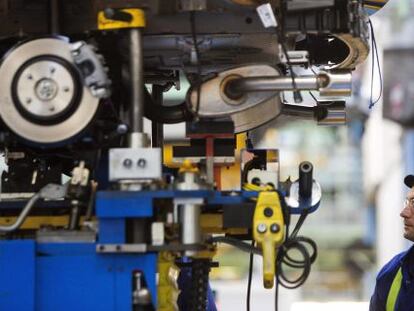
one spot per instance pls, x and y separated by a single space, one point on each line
36 222
168 156
188 167
266 239
207 254
167 282
137 21
241 141
213 223
230 175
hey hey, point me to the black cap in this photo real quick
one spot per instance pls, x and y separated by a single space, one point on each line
409 181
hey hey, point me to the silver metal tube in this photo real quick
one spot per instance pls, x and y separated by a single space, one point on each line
335 114
23 215
74 218
54 10
332 113
327 83
190 211
277 83
137 80
190 229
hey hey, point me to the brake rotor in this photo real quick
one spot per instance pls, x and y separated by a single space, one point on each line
44 99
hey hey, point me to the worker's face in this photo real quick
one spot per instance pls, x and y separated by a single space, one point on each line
408 215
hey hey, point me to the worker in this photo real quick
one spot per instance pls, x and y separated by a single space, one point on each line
394 289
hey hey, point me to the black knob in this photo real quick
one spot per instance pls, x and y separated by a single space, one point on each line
268 212
305 179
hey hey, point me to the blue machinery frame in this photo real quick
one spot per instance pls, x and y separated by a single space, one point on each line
73 276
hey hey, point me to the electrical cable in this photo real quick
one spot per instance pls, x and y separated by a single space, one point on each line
236 243
296 93
374 54
313 70
298 243
299 224
198 63
276 295
293 242
249 280
313 96
305 263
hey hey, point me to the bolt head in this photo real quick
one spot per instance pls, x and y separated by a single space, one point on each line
142 163
122 129
127 163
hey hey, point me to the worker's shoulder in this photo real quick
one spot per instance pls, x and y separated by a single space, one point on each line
391 267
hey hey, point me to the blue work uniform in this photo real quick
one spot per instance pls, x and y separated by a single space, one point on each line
386 277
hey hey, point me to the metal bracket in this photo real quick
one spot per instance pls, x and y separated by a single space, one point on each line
92 69
193 5
294 200
135 164
295 57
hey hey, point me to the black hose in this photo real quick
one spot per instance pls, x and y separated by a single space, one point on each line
305 263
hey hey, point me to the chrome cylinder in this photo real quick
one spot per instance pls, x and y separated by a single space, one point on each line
190 212
190 225
302 112
137 81
334 114
236 87
336 84
327 83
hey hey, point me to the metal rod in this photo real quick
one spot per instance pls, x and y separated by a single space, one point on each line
137 80
210 160
74 218
240 86
54 23
190 225
157 128
326 113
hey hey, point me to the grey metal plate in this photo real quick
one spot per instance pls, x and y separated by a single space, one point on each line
134 164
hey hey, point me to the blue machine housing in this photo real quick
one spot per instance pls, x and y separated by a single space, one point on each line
73 276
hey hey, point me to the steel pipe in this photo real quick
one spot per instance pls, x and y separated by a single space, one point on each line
137 80
328 84
331 113
237 87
